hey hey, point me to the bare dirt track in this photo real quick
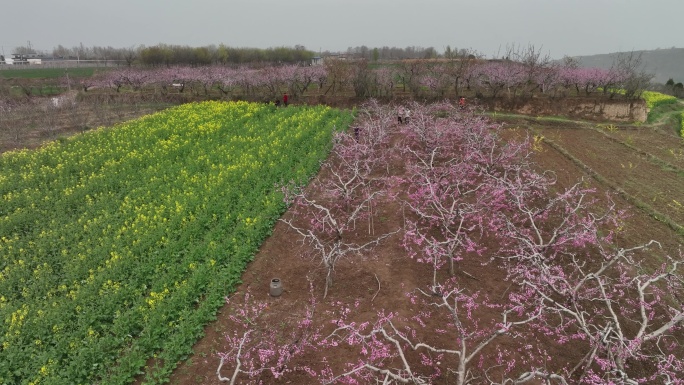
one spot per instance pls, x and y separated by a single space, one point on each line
574 151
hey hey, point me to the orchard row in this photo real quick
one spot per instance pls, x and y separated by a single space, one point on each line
580 307
422 78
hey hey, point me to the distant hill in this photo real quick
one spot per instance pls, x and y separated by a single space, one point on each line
664 63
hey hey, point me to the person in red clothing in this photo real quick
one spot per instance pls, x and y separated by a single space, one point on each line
285 99
461 102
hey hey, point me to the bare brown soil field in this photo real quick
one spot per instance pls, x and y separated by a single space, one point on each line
636 173
32 124
660 143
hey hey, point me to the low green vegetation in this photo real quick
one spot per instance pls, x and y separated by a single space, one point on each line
655 99
46 73
118 245
35 90
659 104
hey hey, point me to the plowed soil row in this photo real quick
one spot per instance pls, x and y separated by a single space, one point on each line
639 176
663 145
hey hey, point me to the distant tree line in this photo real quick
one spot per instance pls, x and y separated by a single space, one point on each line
178 55
82 52
173 55
677 89
168 55
523 74
519 72
411 52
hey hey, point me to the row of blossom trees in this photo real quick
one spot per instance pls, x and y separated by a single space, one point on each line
468 194
430 79
268 82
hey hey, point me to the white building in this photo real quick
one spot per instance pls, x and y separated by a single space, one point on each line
25 58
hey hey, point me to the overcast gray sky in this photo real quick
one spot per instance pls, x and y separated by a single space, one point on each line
558 27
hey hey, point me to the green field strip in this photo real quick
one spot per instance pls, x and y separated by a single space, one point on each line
118 245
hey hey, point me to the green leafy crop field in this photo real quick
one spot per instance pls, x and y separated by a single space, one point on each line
117 246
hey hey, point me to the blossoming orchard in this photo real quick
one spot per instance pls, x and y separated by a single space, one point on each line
423 241
421 78
470 195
